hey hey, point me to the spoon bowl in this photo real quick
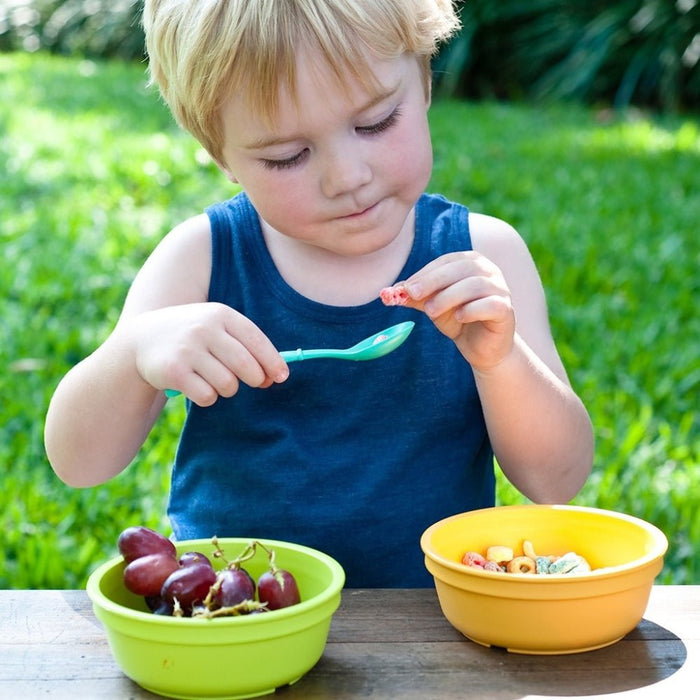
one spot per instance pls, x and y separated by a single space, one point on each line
371 348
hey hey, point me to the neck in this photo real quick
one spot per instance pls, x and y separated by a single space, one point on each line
338 280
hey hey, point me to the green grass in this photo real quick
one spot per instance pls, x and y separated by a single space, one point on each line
96 172
610 212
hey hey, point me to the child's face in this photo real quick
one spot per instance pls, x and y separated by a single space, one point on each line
340 168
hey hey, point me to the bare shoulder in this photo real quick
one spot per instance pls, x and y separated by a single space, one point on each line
498 241
502 244
495 238
177 271
188 241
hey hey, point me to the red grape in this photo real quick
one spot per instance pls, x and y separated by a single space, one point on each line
153 601
189 558
188 585
277 588
138 541
164 608
233 587
145 576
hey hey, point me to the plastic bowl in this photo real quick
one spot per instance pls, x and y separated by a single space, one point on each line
225 657
545 614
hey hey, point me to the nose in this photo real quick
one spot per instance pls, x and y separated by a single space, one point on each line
345 170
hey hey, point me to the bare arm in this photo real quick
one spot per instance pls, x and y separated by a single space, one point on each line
540 429
168 335
491 303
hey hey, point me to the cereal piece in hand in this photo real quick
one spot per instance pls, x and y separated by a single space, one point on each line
394 296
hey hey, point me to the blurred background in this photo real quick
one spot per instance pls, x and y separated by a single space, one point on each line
626 52
577 121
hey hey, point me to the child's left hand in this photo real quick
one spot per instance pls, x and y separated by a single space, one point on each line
468 300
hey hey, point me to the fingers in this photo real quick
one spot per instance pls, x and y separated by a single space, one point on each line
465 284
467 298
210 350
470 299
494 309
440 274
251 352
200 390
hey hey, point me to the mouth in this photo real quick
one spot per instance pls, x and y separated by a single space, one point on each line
360 212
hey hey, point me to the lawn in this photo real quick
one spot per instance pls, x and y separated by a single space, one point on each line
95 173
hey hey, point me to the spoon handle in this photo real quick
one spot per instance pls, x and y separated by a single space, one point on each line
293 356
299 354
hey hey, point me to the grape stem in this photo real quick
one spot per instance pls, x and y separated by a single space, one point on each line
247 553
270 556
242 608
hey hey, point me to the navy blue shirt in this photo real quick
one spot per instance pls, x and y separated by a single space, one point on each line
353 458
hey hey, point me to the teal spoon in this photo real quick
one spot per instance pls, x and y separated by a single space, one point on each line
371 348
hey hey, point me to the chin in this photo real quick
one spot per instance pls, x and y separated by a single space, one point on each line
369 244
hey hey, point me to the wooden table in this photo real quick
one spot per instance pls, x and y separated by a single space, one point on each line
383 644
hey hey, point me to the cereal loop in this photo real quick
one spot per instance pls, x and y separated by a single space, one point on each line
529 550
493 566
500 558
565 564
499 554
542 564
521 565
473 559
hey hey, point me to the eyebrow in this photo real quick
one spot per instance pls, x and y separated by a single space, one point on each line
263 142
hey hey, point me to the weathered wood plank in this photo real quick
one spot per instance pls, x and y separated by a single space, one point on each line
383 644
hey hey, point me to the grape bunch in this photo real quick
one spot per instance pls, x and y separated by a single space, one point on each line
189 586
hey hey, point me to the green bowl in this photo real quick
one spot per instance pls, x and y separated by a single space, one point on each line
225 657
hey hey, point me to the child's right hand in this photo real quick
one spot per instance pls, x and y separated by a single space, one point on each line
203 350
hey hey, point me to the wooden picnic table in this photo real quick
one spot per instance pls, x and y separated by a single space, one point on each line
383 643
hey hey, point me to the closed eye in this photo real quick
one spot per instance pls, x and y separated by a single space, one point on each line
382 125
298 158
282 163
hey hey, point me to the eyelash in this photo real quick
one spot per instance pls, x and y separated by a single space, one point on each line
286 162
370 130
382 125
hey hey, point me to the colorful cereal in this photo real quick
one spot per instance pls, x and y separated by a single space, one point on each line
566 563
474 559
499 554
542 565
521 565
500 558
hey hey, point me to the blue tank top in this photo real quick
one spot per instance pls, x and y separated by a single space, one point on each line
353 458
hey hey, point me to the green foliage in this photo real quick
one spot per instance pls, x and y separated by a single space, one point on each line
644 52
89 158
94 28
96 173
608 205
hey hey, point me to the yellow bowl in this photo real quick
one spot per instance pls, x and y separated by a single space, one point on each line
225 657
545 614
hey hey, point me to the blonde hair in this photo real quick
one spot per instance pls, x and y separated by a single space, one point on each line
200 51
